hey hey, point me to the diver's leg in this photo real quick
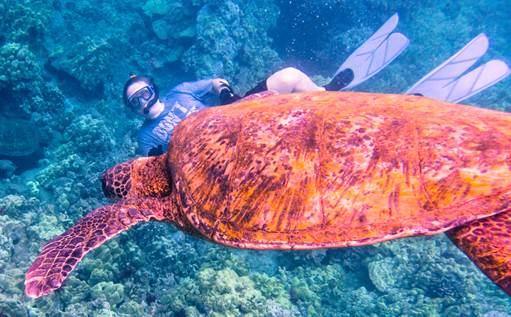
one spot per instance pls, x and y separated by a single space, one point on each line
290 80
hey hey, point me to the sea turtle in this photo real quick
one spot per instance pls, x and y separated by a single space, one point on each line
314 170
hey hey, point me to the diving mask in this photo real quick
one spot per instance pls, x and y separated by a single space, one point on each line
142 99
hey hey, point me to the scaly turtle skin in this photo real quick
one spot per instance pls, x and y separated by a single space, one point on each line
314 170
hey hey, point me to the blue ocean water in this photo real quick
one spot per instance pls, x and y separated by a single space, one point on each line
63 65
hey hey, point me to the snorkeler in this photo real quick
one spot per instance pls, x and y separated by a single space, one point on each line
141 94
448 82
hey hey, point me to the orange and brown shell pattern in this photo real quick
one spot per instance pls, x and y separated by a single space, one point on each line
312 170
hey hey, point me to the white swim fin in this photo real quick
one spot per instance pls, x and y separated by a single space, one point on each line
477 80
450 82
376 53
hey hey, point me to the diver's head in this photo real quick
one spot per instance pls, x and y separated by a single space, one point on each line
141 94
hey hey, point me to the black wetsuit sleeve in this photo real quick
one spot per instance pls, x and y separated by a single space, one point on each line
227 95
155 151
258 88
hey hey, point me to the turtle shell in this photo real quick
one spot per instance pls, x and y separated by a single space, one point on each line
315 170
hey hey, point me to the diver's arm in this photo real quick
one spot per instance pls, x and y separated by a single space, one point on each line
201 88
224 91
197 89
149 144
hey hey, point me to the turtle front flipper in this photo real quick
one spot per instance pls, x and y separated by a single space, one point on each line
59 257
487 242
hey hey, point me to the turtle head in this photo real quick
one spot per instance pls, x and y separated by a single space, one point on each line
138 178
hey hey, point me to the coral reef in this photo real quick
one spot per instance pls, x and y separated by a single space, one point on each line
7 168
18 67
232 42
88 61
18 137
26 92
218 293
24 21
89 135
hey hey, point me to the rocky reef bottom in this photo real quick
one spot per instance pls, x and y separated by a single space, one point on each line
155 270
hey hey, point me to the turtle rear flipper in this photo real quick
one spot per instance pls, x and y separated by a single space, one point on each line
487 242
59 257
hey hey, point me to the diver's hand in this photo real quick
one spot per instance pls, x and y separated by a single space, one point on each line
225 92
218 84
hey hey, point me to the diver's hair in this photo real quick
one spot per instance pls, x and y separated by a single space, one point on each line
135 79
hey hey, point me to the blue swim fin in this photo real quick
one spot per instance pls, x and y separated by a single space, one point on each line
376 53
450 82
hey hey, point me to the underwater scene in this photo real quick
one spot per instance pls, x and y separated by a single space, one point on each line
87 85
